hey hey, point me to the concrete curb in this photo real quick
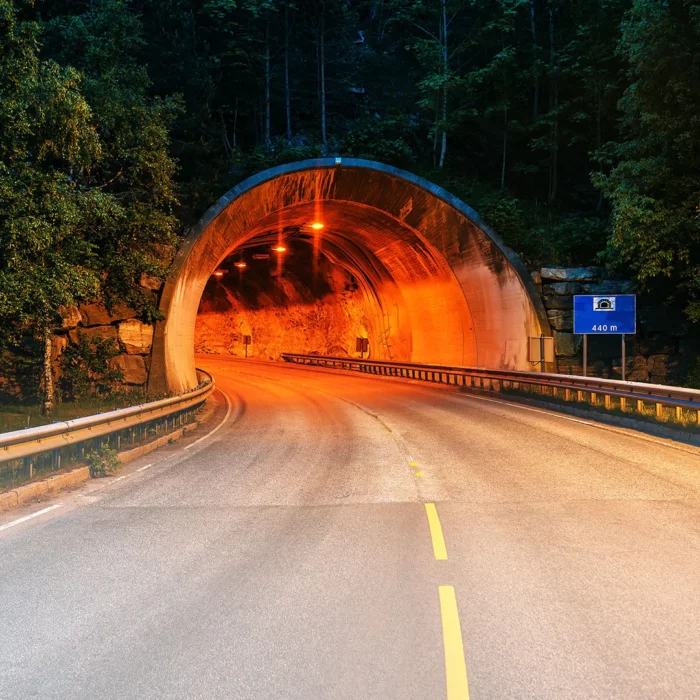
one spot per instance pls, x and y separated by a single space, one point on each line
38 489
57 482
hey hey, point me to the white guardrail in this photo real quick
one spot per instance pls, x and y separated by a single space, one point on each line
656 401
120 424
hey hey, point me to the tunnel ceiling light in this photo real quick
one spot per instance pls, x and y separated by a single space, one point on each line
220 272
317 226
279 249
240 264
261 256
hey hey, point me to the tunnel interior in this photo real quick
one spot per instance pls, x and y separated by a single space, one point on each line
296 300
313 278
369 252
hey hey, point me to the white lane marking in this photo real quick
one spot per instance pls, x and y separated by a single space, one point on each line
211 432
144 467
529 408
29 517
119 478
625 432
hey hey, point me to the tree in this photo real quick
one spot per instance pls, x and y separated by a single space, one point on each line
47 141
86 181
654 181
134 172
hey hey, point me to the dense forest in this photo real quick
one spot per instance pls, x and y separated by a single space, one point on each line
572 127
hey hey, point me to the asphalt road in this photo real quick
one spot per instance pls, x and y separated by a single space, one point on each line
291 554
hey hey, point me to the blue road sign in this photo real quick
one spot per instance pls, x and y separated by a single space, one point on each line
605 314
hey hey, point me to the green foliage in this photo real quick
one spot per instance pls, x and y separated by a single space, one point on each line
46 138
692 381
134 174
86 180
86 370
378 139
652 175
102 462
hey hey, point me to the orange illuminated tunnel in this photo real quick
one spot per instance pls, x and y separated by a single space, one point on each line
439 285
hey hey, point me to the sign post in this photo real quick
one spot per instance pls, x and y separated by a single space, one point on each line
624 359
541 352
605 315
362 346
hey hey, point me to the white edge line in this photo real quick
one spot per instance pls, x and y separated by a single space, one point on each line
625 432
211 432
119 478
529 408
29 517
144 467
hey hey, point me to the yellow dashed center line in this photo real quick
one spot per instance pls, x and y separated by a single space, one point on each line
439 548
455 667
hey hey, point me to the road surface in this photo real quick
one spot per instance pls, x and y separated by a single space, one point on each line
354 537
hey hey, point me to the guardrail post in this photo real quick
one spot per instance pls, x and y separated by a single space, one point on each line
679 414
659 410
623 404
640 406
594 398
567 394
607 401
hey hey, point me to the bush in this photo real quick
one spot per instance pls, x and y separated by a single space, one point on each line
103 462
692 381
86 370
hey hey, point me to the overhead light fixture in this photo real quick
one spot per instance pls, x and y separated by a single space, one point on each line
220 272
317 226
240 264
279 249
261 256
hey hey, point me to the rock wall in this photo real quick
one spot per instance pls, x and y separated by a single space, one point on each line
289 313
133 338
663 351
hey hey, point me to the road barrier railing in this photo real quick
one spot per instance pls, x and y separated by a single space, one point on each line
659 402
49 447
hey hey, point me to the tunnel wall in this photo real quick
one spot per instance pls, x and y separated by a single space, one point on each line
468 298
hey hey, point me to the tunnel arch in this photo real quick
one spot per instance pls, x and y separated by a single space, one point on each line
441 286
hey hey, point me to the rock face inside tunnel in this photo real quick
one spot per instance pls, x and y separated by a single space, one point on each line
434 284
283 306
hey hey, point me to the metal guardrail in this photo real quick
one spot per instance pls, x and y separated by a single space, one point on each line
57 437
651 400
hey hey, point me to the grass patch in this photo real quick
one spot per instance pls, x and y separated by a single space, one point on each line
16 416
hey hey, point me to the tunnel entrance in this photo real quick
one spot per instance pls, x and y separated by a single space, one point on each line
309 256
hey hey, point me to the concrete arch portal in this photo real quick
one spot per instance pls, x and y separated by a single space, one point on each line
439 285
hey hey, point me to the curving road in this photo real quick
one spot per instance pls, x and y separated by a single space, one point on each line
291 555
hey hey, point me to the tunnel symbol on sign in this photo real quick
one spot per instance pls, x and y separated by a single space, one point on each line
603 303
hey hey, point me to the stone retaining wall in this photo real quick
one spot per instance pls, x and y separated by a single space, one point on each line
133 337
662 351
